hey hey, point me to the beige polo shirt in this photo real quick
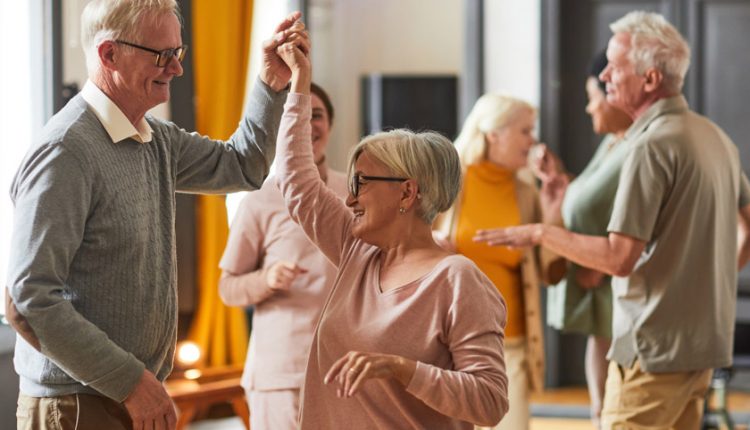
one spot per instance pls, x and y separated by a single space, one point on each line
680 190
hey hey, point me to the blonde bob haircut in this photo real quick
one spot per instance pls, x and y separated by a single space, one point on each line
119 19
427 157
490 112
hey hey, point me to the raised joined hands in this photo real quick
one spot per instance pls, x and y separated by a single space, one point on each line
275 72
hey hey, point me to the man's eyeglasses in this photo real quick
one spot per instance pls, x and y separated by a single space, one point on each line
356 179
162 57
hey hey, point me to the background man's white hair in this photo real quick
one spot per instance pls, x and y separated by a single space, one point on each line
118 19
656 43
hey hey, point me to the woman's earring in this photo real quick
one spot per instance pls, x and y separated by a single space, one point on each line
401 211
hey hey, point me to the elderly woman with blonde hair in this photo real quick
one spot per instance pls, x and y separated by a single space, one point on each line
410 336
493 147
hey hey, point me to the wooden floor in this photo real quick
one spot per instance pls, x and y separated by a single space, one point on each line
560 424
737 401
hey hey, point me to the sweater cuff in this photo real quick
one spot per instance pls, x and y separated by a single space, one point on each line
268 93
420 381
298 98
119 383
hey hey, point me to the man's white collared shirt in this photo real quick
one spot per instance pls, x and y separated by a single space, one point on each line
112 118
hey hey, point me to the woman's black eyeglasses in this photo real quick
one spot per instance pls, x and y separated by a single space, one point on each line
354 182
162 57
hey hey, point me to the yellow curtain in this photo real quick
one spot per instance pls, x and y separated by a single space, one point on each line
220 52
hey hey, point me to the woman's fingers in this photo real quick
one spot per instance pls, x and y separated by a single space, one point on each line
363 375
288 22
302 41
348 371
356 364
511 237
335 369
282 274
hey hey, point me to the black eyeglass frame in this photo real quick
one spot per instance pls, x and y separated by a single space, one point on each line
162 56
354 182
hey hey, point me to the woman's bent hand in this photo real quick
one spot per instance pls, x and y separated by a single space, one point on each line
281 275
354 368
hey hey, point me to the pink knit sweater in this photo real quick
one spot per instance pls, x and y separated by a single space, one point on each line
451 321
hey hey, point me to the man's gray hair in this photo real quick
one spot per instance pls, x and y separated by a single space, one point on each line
656 43
427 157
118 19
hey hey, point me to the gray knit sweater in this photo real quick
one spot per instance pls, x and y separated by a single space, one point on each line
93 265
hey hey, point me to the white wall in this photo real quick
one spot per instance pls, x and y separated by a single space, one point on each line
352 38
74 62
267 14
512 50
20 109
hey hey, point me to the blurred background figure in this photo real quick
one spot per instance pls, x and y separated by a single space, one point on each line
673 238
493 147
582 301
270 263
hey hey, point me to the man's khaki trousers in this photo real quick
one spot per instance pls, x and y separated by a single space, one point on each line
638 400
71 412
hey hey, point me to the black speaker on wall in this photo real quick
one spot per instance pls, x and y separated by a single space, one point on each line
417 102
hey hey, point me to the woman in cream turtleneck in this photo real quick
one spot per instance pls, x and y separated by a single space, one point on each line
493 146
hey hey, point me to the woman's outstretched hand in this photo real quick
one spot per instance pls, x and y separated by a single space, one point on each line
522 236
354 368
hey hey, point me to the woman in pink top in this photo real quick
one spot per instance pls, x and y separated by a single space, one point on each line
270 263
411 336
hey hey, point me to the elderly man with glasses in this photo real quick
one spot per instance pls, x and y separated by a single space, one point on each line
92 276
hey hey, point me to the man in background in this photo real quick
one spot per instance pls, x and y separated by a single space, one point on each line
673 236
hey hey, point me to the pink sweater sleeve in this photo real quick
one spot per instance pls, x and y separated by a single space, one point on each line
476 388
321 214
